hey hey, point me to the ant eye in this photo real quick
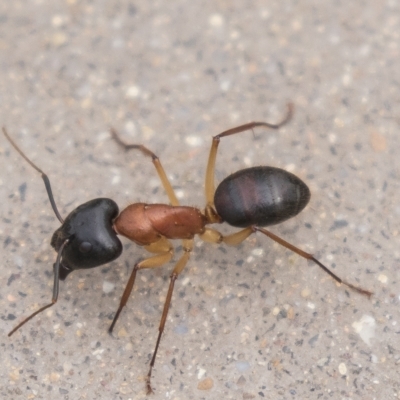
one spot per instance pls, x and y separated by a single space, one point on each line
85 247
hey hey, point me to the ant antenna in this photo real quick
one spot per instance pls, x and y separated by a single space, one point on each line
55 290
53 204
44 176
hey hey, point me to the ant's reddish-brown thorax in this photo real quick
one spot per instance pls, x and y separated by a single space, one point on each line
147 223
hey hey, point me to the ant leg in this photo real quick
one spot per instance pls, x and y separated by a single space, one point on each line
213 236
156 161
180 265
164 251
44 176
308 256
55 290
210 171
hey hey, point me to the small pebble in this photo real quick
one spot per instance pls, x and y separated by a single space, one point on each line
242 366
108 287
382 278
205 384
216 20
133 92
378 142
342 369
122 333
365 327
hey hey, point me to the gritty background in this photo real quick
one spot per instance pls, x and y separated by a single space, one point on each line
250 322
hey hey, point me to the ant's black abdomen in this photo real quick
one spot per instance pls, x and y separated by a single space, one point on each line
260 196
92 240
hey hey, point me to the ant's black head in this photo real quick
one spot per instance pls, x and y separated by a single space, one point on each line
92 240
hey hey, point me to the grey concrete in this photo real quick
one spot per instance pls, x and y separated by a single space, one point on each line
253 322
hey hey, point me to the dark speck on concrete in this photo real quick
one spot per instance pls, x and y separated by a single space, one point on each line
50 150
22 191
12 278
338 224
313 340
11 317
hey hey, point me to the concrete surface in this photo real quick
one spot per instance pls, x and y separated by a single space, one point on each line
252 322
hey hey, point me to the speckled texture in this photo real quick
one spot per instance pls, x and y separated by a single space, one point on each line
251 322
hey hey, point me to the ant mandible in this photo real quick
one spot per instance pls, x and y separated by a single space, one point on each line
250 198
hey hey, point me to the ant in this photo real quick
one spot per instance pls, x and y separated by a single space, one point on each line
250 199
